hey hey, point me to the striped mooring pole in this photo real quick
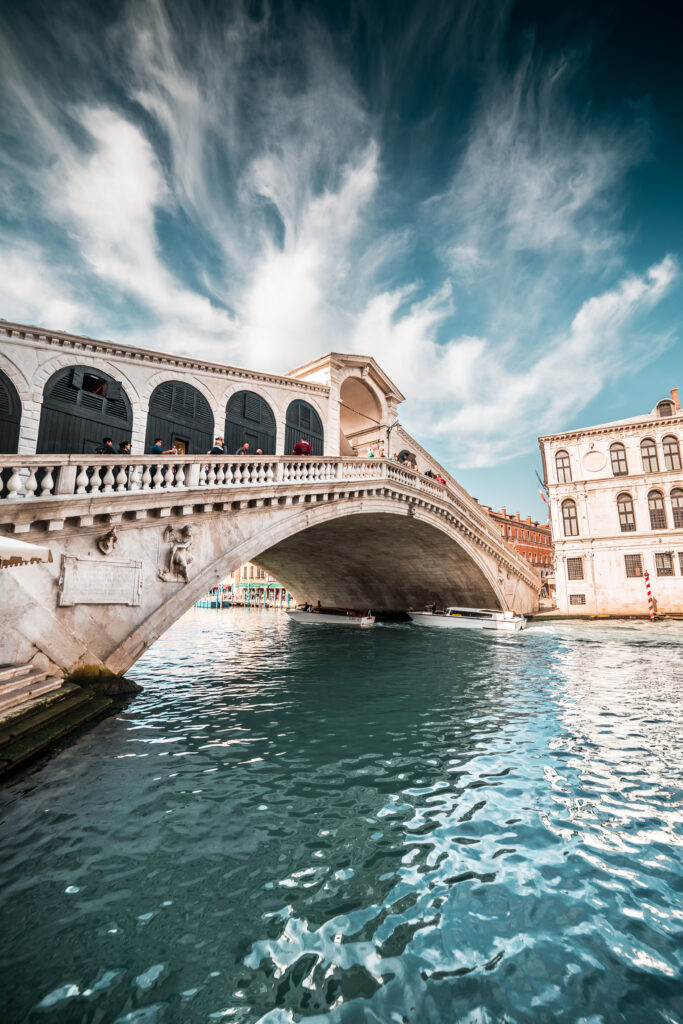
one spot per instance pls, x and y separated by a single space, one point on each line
649 595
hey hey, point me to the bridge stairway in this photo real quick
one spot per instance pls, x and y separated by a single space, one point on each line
36 709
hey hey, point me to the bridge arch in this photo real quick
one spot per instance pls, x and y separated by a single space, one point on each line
181 415
81 405
249 417
302 420
369 552
10 415
362 413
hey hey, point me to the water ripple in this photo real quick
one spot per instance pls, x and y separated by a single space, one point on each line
296 825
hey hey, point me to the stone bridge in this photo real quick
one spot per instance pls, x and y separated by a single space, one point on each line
136 543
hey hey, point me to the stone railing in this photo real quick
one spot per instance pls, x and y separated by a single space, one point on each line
30 477
29 481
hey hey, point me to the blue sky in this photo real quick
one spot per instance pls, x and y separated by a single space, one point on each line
483 196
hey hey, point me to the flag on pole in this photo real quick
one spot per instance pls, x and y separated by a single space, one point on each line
542 489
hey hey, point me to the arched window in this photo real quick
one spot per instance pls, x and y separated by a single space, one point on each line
302 421
677 506
570 520
564 468
249 418
181 416
617 454
648 450
665 408
655 503
10 415
672 453
81 406
627 520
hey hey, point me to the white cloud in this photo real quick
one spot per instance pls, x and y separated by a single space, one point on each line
487 403
256 153
32 291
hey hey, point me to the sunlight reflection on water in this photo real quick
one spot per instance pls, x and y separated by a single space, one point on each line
403 826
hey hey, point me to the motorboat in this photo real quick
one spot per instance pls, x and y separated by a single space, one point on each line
470 618
309 616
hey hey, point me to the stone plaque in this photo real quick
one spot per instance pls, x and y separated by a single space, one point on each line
88 581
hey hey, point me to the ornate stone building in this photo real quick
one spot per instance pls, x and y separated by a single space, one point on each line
615 493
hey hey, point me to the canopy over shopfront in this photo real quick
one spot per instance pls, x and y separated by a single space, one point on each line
18 552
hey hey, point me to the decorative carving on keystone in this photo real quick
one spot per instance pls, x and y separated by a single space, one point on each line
108 541
179 557
411 508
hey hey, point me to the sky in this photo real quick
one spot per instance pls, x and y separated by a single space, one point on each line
484 196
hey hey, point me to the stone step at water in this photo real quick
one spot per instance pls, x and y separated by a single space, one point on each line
35 711
33 685
40 721
9 673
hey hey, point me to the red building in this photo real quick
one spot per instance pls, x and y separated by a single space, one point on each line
532 539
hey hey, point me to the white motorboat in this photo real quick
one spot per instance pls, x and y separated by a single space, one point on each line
317 617
470 618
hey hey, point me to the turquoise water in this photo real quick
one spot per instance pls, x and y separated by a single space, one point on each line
324 824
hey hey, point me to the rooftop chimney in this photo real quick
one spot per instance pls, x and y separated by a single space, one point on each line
528 519
503 512
674 395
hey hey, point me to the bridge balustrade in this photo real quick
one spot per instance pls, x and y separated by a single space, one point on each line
31 477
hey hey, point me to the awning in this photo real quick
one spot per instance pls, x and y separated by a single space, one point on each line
18 552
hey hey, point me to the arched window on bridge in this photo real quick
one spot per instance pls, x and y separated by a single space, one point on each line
302 421
10 415
10 421
81 406
181 416
404 455
249 418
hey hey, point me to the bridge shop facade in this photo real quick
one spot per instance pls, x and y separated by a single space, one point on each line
62 393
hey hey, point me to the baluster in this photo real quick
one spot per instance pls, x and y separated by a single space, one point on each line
269 473
220 476
147 478
48 481
169 476
82 480
237 476
211 476
284 471
158 477
14 483
261 475
31 483
108 481
134 478
95 480
122 479
180 475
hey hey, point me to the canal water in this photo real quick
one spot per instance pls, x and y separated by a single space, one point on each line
394 825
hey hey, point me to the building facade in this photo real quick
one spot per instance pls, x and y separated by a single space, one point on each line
532 539
251 585
615 493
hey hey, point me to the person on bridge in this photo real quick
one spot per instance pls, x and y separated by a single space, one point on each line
106 448
244 450
302 447
218 447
